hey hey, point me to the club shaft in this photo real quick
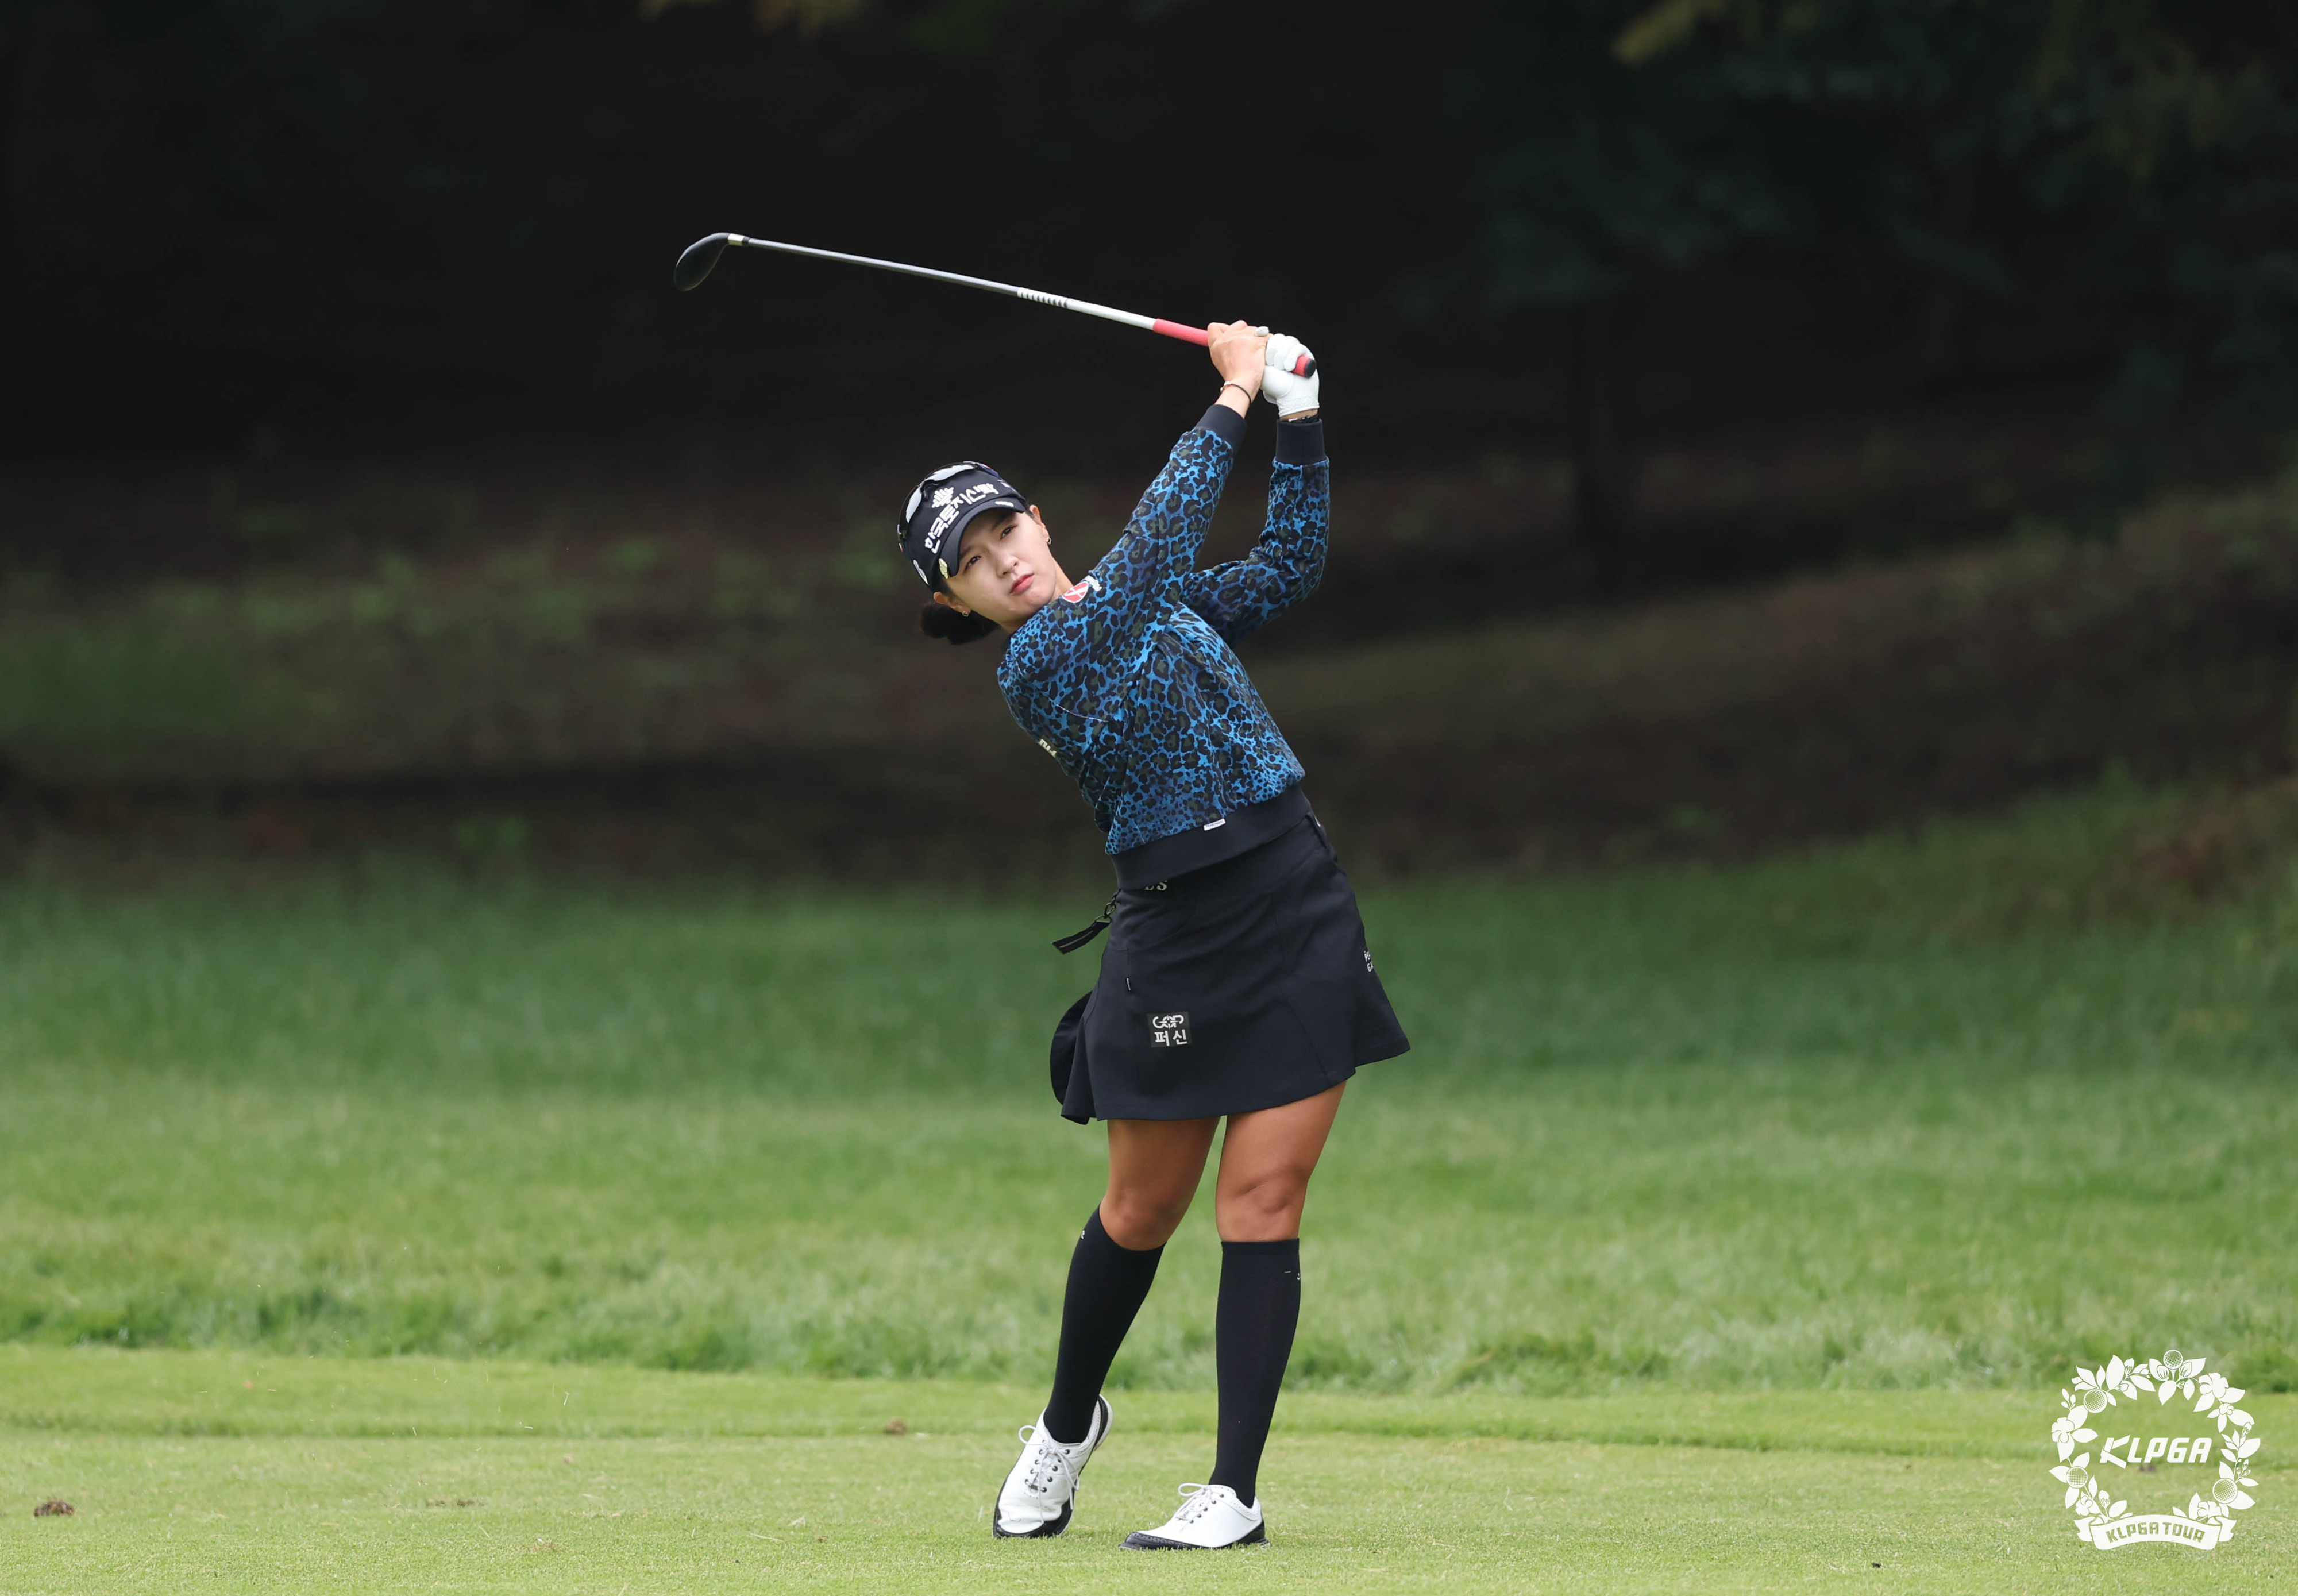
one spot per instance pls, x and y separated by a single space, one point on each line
1147 324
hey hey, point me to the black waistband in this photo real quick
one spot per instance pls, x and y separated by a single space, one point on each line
1224 839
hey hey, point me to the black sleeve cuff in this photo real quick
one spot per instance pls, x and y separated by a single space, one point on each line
1227 423
1300 443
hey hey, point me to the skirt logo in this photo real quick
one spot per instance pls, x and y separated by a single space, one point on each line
1169 1030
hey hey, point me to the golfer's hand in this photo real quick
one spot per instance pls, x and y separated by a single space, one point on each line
1238 351
1294 396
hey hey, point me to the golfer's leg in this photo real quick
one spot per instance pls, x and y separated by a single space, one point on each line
1266 1160
1154 1167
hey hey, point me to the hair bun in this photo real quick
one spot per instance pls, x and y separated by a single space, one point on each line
939 620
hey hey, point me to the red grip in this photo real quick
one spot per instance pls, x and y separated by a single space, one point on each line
1302 366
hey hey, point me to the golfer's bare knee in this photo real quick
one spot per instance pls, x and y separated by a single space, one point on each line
1262 1208
1138 1219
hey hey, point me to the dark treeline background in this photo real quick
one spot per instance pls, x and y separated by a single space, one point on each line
1585 223
1618 298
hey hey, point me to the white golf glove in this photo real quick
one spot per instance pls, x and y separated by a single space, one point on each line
1289 394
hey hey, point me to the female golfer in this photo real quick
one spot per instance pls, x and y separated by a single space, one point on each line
1237 982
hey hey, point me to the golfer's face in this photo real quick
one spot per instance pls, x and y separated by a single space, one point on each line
1004 568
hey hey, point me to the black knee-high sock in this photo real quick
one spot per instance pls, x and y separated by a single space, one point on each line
1107 1284
1252 1341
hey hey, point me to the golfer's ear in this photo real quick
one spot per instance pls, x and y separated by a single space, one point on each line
947 602
1040 516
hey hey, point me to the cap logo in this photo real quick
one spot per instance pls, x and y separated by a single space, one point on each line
954 504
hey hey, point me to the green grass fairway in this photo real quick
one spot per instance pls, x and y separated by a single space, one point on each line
1726 1228
1874 1120
212 1470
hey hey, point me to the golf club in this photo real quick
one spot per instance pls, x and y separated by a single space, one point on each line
703 253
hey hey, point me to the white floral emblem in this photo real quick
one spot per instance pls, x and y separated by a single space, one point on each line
941 498
2207 1520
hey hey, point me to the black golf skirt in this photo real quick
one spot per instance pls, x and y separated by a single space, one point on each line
1241 985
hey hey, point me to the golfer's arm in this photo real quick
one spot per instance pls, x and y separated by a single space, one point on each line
1168 525
1286 565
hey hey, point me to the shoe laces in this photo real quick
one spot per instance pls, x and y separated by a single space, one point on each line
1046 1458
1197 1501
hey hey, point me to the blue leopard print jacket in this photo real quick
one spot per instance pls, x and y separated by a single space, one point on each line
1129 678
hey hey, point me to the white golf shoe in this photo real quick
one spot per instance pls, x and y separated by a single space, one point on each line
1041 1492
1209 1516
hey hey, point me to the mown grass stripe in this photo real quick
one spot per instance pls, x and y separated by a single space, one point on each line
97 1393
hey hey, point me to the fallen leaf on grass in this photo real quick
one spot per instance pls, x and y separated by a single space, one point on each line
55 1507
896 1426
453 1501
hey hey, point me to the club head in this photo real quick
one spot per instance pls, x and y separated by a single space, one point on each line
695 264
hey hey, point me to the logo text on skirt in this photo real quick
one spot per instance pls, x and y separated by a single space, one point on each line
1169 1030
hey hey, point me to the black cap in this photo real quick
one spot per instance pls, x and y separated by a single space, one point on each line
939 510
